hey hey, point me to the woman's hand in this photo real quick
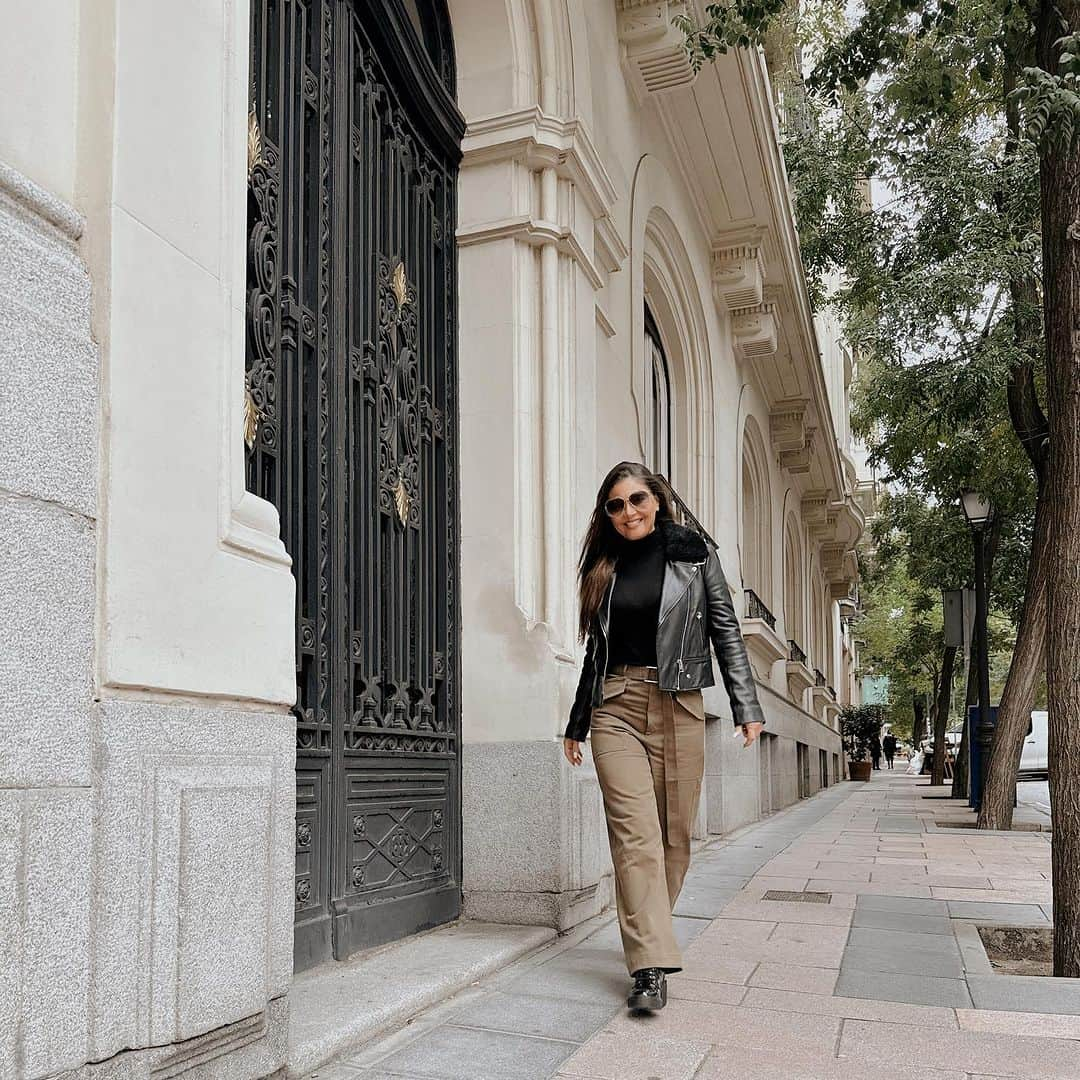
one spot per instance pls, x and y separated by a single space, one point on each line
751 732
572 749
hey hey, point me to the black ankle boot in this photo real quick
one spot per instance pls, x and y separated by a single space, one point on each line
650 990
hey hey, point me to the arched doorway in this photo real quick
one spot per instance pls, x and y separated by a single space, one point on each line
354 144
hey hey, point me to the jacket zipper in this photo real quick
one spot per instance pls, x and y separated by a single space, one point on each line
682 647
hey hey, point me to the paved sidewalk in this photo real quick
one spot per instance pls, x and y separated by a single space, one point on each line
880 975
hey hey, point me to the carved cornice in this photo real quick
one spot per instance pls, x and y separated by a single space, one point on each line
755 330
787 424
799 460
839 564
738 272
655 57
819 513
840 590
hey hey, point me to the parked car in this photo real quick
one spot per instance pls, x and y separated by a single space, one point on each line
1034 760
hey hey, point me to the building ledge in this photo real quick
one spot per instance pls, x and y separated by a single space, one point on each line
763 643
799 678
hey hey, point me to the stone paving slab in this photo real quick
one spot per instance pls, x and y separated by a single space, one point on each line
611 1056
1019 1023
906 904
852 1008
999 914
1025 993
902 987
729 1025
898 942
898 920
831 914
1014 1055
528 1014
775 1064
451 1053
886 961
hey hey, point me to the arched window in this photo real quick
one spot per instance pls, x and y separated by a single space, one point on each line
658 451
756 510
793 587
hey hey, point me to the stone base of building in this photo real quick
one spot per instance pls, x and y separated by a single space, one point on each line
534 841
255 1047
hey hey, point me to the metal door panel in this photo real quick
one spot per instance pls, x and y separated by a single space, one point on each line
351 427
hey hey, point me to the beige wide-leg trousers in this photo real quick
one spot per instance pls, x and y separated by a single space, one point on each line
649 748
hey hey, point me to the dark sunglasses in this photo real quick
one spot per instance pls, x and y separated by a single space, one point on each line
616 506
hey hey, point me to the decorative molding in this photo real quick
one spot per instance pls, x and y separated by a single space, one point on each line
540 141
839 564
755 330
738 273
608 246
798 461
840 590
787 424
605 323
537 141
655 59
538 234
815 507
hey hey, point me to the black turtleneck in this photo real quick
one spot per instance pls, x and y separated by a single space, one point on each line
635 603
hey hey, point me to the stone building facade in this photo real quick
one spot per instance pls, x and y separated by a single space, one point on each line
628 285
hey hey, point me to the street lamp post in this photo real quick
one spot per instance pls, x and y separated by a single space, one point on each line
978 511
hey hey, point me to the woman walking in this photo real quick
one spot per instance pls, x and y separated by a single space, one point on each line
652 596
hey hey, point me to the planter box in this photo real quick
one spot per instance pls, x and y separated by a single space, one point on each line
859 770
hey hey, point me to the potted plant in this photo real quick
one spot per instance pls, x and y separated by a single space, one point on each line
859 726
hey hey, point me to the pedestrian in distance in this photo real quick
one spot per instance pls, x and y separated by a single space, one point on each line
875 751
888 744
652 597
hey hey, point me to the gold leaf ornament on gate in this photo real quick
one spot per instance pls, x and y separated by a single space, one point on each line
254 144
251 418
402 501
400 285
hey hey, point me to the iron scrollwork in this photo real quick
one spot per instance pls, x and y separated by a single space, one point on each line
397 394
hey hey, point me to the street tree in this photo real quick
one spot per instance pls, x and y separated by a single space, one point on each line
1028 56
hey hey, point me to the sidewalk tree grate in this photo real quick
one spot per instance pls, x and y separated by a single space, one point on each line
798 897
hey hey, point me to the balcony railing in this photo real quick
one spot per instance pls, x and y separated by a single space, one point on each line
796 653
832 692
756 609
819 679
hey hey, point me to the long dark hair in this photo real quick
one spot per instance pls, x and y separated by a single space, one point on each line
601 545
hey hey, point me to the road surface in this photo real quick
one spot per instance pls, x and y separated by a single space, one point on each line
1034 793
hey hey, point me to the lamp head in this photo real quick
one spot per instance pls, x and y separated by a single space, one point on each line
977 508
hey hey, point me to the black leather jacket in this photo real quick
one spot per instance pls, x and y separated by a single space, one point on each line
695 608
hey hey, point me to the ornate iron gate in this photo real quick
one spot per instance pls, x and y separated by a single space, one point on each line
353 146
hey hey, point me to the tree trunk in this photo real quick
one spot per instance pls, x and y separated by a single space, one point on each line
944 699
1028 661
918 725
1059 172
1030 426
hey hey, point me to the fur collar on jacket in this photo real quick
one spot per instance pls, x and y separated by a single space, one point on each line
682 544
